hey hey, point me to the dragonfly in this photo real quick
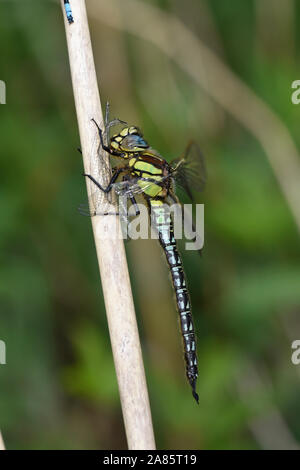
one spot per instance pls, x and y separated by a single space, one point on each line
144 171
68 11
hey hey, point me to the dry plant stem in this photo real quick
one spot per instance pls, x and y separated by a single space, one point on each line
110 251
171 36
2 447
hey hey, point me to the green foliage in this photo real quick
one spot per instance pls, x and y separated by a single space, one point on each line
92 376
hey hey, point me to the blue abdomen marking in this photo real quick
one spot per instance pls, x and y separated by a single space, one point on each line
68 11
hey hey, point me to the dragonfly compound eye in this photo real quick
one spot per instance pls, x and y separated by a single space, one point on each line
134 143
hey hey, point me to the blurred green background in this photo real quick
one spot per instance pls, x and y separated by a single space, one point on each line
58 389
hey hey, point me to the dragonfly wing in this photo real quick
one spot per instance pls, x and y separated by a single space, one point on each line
138 185
84 209
127 188
189 171
96 206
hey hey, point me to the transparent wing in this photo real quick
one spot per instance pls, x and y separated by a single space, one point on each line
95 206
127 188
189 171
124 190
138 185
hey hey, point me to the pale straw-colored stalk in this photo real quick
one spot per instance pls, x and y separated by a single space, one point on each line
110 249
2 446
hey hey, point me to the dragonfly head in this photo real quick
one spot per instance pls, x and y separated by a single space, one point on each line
129 140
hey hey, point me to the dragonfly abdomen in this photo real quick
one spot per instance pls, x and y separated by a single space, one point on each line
164 225
68 11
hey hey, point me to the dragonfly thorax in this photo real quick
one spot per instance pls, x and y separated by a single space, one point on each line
128 141
152 173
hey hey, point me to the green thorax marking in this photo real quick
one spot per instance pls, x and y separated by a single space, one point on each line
149 165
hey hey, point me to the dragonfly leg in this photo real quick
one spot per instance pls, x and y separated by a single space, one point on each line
107 113
110 184
113 122
134 203
105 147
131 196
